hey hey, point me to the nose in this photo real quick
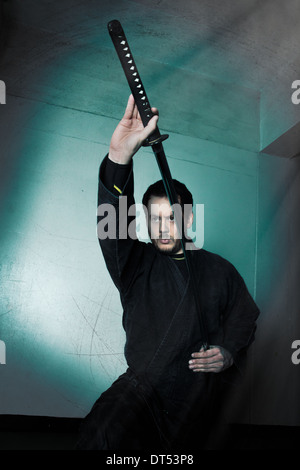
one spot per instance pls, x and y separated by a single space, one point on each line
164 226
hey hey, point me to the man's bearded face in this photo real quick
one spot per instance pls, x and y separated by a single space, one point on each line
162 228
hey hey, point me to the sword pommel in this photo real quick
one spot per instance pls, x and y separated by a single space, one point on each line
115 27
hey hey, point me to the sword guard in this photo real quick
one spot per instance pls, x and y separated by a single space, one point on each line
149 142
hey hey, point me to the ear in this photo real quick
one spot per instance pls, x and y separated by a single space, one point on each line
190 220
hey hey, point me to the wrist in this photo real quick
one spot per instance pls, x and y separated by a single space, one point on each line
119 159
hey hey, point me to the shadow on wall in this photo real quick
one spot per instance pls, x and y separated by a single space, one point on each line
276 382
271 387
5 18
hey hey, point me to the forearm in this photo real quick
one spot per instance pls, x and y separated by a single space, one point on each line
114 175
117 242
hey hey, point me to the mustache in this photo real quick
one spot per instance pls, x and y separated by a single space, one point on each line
164 237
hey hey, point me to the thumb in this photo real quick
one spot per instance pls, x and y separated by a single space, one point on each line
151 126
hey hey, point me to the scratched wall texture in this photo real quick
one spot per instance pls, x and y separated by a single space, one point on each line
220 73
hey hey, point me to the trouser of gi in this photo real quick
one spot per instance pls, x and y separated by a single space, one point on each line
123 417
129 416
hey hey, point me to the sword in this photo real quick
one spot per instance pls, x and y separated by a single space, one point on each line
155 141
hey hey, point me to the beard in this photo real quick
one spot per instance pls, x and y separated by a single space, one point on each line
172 246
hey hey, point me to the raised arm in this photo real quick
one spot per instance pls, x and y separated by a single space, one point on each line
115 197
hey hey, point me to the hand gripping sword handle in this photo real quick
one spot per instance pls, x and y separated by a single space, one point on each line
134 80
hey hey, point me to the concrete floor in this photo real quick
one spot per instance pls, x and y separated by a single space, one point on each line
42 433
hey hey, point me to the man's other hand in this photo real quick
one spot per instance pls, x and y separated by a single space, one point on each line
215 359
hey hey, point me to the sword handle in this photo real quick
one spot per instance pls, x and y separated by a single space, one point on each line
134 80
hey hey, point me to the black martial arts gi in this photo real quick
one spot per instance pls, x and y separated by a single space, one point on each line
159 403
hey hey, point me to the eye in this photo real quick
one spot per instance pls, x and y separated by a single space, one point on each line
154 218
170 218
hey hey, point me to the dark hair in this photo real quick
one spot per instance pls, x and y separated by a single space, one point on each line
158 190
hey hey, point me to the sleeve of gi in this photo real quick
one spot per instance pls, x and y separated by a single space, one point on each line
239 321
116 222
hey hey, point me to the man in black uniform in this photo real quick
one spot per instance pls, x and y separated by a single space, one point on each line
171 396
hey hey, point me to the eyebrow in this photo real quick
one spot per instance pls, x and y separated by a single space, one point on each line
159 215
